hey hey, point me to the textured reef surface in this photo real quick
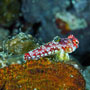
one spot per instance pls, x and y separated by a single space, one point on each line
41 75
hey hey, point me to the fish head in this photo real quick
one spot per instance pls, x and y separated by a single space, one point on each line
74 40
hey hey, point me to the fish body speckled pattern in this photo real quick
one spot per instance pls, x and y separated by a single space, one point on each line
67 45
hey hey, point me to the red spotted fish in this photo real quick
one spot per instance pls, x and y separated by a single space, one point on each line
67 45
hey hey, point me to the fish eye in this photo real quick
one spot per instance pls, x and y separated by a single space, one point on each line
77 42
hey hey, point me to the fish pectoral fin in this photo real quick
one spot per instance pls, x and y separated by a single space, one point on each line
57 39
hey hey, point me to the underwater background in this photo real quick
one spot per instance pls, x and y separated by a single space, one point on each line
25 25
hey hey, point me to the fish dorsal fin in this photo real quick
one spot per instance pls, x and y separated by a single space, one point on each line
57 39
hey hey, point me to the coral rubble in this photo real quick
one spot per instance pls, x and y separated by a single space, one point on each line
20 44
41 75
13 48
